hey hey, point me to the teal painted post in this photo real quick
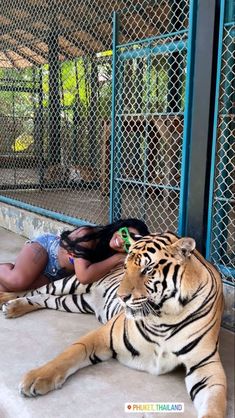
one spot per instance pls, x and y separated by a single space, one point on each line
187 116
213 156
221 201
201 122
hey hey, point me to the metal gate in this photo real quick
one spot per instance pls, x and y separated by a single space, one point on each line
149 122
221 224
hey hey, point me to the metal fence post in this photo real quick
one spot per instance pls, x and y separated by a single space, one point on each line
220 230
201 122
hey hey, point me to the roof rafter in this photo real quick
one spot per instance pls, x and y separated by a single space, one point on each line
18 51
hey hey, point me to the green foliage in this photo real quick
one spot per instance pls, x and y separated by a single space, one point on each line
70 84
85 94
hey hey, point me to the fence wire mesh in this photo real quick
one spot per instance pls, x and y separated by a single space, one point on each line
149 126
55 83
55 111
223 226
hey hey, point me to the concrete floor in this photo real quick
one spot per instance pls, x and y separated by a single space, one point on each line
91 205
99 391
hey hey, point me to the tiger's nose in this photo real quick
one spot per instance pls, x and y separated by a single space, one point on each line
124 298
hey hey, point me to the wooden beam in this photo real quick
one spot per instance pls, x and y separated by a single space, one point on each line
11 60
7 49
28 21
29 45
42 36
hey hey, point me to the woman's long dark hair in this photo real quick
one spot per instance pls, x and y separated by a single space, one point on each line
103 235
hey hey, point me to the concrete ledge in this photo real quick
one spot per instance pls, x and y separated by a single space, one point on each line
229 307
27 223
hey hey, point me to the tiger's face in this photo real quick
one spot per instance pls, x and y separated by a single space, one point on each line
153 271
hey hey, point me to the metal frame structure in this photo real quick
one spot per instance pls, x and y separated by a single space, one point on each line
221 195
167 44
185 193
201 119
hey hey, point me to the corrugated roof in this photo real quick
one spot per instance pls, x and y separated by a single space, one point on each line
80 26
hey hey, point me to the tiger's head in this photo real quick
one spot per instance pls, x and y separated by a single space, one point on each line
158 278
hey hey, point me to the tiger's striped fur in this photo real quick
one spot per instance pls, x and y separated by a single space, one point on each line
168 312
68 295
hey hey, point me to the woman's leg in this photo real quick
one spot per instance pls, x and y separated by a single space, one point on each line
27 270
4 269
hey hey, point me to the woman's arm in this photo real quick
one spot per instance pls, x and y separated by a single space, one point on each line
88 272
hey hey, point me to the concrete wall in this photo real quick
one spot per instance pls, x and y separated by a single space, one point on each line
229 309
27 223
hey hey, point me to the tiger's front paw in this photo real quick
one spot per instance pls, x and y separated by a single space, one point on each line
5 297
39 382
13 308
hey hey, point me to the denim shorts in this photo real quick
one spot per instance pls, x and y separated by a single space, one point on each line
51 243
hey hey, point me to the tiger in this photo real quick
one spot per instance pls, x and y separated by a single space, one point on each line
161 310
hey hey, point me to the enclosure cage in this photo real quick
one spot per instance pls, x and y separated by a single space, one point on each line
97 112
57 148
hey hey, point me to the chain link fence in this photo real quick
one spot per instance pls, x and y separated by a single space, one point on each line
55 110
95 132
149 117
222 250
56 147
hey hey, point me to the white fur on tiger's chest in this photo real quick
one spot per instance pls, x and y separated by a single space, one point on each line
152 360
166 362
160 362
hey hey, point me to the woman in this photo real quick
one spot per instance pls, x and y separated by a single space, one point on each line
89 252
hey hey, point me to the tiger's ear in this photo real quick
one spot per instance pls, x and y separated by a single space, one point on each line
183 248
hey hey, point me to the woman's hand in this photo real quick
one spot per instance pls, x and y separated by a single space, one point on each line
119 258
87 272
